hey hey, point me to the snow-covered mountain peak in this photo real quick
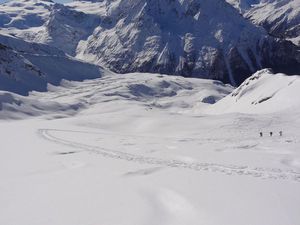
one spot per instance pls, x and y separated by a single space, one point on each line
280 18
198 38
188 37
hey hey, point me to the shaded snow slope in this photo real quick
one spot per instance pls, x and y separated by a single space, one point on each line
28 66
263 92
152 91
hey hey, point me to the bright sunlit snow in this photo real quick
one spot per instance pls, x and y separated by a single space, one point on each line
144 149
93 131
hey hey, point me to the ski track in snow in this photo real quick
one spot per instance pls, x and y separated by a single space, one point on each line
257 172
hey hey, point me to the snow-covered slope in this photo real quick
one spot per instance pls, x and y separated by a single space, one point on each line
199 38
281 18
263 92
28 66
152 91
137 149
24 14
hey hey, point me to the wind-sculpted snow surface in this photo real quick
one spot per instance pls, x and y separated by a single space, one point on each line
263 92
151 90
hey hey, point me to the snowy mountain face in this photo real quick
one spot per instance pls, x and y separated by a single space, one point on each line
281 18
145 148
243 5
48 23
24 14
197 38
28 66
193 38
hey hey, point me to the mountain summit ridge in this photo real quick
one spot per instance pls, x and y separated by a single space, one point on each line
198 38
192 38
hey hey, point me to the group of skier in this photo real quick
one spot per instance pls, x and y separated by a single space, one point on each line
271 134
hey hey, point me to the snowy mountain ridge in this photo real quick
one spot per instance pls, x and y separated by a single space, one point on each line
198 38
145 148
281 18
263 92
192 38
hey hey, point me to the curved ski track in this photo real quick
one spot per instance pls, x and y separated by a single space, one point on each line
257 172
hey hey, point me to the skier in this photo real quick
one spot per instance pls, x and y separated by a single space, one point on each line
271 134
280 133
261 134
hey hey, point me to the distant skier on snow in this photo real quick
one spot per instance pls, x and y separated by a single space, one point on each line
271 134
